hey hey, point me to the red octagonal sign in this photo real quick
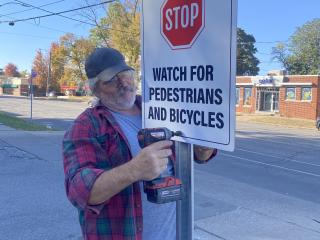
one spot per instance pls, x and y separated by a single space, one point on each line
182 22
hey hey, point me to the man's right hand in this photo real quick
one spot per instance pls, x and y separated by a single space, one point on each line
151 160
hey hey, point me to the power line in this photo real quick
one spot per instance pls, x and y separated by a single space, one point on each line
57 13
26 10
269 42
60 15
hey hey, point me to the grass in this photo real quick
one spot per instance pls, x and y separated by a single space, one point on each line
21 124
277 120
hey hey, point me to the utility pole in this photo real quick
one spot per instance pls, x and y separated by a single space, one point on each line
49 74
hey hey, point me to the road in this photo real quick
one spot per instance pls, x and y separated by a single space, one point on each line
268 188
53 113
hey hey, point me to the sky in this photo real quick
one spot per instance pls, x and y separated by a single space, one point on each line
269 21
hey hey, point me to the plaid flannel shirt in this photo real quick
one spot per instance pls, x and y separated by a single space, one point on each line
93 145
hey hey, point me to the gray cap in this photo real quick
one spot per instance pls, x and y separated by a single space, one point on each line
106 61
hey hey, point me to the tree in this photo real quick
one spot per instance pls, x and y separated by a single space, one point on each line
68 59
24 73
301 55
57 63
11 70
40 66
247 63
120 29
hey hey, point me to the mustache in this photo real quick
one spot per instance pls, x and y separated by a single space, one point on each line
130 88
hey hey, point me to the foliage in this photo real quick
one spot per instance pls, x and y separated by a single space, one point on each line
24 73
57 66
121 28
302 53
11 70
40 66
247 63
69 58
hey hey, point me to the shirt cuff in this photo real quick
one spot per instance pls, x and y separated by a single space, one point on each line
214 153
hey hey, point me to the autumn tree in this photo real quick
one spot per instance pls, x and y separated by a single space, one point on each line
40 66
301 55
11 70
57 65
120 29
247 63
71 52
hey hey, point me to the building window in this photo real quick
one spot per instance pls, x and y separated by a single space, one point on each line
291 93
247 96
237 95
306 94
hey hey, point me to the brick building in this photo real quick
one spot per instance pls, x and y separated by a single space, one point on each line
17 86
294 96
14 86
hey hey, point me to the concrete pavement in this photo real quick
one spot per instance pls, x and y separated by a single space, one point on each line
34 204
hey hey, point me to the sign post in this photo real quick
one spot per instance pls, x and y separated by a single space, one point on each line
188 73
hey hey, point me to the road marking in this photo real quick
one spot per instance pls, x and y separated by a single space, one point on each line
274 156
271 165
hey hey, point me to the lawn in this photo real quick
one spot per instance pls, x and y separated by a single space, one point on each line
21 124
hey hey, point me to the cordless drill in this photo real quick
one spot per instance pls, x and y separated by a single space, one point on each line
162 189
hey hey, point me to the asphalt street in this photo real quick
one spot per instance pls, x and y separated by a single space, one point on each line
268 188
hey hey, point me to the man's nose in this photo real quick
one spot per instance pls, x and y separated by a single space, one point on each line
127 81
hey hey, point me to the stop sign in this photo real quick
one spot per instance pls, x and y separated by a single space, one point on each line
182 22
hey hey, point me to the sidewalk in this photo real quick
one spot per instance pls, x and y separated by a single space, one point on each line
33 200
45 145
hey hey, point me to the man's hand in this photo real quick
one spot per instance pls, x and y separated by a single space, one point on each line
152 160
203 153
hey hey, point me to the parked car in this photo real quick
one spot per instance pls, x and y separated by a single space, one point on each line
318 123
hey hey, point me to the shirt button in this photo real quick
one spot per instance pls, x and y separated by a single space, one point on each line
138 205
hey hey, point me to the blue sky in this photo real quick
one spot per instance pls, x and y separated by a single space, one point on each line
268 21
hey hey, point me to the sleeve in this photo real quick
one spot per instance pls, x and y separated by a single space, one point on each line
215 151
81 152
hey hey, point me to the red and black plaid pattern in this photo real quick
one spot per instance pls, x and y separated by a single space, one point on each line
94 144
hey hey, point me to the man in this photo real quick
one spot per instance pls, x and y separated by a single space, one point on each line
104 165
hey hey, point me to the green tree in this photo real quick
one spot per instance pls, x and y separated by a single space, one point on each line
120 29
247 63
24 73
301 55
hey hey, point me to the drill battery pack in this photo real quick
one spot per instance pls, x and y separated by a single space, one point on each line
163 190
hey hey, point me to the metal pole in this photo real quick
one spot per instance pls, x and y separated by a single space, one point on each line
184 171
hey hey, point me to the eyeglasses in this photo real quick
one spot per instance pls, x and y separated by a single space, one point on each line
119 76
111 81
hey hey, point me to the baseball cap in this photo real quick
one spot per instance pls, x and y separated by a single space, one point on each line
105 63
